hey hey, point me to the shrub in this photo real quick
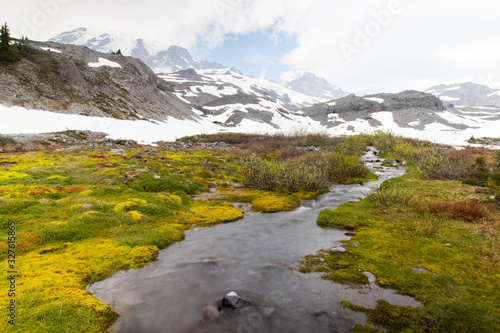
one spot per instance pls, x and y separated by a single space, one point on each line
468 211
341 168
284 177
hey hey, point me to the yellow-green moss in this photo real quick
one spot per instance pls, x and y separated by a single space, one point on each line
269 204
134 202
211 213
86 193
137 216
11 175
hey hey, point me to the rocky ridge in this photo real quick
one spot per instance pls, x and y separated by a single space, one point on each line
409 109
76 80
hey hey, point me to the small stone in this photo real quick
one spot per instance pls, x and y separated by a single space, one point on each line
156 177
338 249
355 244
420 269
86 205
448 245
478 189
43 201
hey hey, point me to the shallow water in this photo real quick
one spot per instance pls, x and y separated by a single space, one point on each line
253 257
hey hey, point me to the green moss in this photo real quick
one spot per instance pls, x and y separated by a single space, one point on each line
396 232
343 217
269 203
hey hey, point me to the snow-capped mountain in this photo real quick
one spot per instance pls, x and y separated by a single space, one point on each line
312 85
172 59
463 95
231 99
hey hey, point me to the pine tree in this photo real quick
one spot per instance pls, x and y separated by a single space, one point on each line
6 52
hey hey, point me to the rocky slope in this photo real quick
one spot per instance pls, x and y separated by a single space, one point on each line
77 80
228 97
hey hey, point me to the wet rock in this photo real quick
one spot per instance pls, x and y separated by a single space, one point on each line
355 244
338 250
234 301
420 269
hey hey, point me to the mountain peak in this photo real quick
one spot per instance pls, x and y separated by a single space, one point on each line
312 85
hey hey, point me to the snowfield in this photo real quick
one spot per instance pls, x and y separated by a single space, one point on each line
18 120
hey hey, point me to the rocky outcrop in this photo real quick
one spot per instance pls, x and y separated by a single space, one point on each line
77 80
407 107
410 99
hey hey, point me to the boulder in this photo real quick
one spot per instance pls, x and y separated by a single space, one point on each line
234 301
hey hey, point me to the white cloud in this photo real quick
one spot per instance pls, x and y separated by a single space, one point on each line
395 44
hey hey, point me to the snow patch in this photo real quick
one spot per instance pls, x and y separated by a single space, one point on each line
50 49
18 120
375 99
448 98
104 62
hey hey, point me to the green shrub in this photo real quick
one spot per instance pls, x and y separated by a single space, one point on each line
284 177
342 168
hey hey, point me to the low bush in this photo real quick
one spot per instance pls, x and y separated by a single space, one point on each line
284 177
468 211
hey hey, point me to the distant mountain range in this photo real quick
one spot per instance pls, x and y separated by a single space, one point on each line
173 59
176 58
467 94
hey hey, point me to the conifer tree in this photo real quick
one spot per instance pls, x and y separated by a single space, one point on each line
6 52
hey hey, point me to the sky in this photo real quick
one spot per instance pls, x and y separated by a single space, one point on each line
358 45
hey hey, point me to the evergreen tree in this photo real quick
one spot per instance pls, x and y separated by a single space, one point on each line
6 52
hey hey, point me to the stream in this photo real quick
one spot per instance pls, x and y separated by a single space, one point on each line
253 257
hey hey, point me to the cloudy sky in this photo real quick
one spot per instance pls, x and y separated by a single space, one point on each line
359 45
